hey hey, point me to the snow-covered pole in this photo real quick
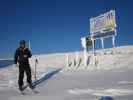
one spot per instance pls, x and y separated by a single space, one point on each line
67 60
113 38
85 57
93 46
102 41
113 41
83 42
77 58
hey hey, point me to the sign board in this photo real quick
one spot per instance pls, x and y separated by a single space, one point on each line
103 25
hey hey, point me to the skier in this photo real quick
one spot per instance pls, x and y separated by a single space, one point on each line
21 58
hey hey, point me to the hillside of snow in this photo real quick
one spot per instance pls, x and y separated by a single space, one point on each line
108 73
106 59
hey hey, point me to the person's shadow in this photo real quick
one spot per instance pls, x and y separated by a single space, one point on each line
42 79
46 77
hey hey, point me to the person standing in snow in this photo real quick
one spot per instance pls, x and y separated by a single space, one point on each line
21 58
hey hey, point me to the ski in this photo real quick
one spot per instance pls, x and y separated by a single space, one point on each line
22 91
32 88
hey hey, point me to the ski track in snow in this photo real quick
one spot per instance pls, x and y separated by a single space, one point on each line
106 92
125 82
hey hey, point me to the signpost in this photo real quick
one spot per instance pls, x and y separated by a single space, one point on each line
103 26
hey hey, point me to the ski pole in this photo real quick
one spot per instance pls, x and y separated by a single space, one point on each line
36 62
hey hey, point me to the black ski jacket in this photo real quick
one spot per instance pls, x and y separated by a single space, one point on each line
22 56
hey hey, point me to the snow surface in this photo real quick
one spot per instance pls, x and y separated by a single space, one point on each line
110 75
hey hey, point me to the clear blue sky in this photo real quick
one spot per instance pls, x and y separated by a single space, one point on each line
57 25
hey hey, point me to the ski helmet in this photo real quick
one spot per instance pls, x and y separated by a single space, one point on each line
22 42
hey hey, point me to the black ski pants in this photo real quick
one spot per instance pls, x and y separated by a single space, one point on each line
24 68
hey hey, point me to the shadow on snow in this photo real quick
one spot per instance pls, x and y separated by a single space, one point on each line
46 77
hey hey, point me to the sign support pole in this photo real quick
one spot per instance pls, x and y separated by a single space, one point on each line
93 46
85 57
102 40
113 41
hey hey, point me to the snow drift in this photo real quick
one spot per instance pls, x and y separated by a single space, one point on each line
119 57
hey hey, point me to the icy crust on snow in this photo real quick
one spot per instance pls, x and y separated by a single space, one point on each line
104 92
107 59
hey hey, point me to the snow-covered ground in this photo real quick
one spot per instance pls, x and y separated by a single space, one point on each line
109 73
